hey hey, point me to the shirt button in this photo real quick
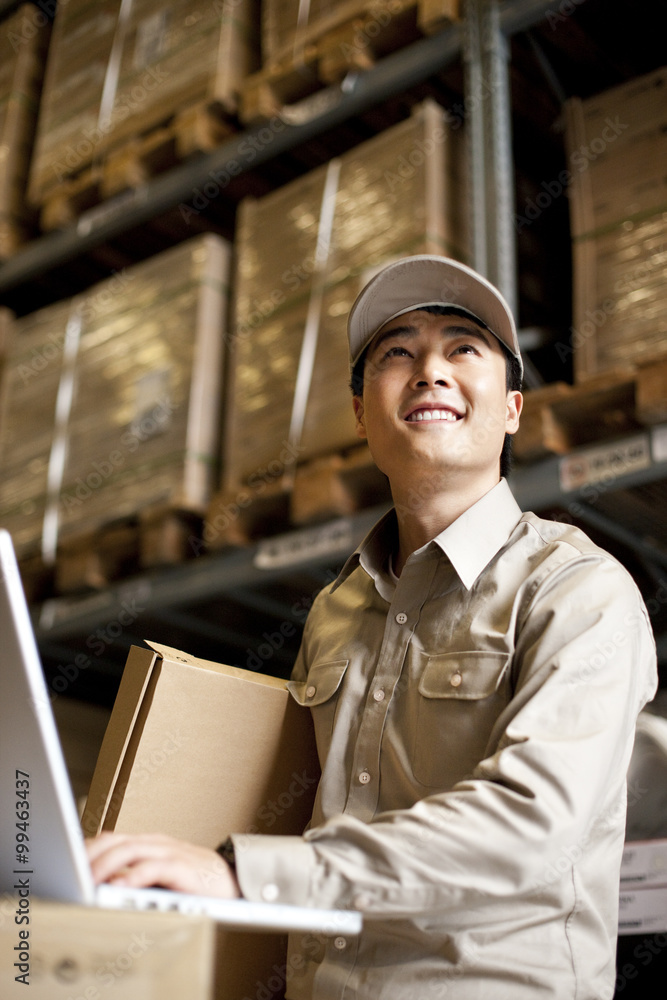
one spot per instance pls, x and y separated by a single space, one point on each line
401 617
455 680
270 892
310 691
340 943
364 777
378 695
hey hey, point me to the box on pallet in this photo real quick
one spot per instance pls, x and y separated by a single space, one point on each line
303 254
617 144
288 25
110 400
117 70
77 952
24 37
199 750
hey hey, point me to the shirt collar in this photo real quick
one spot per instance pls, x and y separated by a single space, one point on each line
470 543
477 535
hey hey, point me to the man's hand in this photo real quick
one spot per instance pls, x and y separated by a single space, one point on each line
154 860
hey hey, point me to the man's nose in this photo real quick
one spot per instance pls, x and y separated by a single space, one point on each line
431 369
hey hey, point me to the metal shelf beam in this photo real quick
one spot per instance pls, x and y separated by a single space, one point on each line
537 487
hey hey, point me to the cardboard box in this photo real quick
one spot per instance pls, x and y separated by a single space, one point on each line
24 37
78 953
138 360
644 864
616 144
303 254
116 71
643 911
199 750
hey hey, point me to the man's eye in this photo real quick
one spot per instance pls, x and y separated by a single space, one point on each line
397 352
466 348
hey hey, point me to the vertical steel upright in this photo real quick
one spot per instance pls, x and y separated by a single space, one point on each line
489 128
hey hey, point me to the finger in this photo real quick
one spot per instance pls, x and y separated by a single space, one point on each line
119 853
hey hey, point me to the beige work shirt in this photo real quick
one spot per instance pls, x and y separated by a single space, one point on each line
475 720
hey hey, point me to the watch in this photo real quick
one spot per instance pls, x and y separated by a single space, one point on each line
226 852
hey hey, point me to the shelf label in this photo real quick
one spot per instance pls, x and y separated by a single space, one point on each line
299 546
604 463
659 443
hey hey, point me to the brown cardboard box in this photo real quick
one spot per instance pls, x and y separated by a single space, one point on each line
303 253
24 38
78 953
116 71
139 357
616 144
199 750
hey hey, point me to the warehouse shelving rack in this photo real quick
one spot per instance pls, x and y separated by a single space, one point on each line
247 605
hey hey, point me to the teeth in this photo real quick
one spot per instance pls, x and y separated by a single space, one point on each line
433 415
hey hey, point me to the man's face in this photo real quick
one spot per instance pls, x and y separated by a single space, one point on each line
435 401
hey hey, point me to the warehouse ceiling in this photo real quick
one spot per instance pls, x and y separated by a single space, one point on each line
581 48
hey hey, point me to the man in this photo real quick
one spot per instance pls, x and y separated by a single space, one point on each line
474 676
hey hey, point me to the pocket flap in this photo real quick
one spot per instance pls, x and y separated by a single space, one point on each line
465 675
321 684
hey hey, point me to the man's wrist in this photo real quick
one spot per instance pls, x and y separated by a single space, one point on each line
226 852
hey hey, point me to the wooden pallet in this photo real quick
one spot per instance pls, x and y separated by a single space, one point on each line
37 578
351 38
337 485
13 235
237 517
197 129
155 537
321 489
559 417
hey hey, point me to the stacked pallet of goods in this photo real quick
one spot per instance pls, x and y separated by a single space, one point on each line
132 86
23 40
303 254
110 401
617 148
308 45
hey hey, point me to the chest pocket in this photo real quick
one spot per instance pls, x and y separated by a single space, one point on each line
460 696
319 692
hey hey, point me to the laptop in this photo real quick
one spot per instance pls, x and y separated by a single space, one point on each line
42 852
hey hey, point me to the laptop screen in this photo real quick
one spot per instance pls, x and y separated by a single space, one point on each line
42 854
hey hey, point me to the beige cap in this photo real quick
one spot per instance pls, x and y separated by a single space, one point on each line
427 280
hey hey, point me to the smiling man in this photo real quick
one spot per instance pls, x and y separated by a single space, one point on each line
474 676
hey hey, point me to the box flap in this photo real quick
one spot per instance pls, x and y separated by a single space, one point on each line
178 656
127 706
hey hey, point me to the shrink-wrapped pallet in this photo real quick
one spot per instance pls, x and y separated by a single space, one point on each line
617 148
23 40
120 68
357 25
110 400
303 254
284 22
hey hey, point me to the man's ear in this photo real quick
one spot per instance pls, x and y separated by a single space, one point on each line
514 407
358 405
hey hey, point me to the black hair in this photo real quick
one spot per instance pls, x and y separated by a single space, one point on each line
513 376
